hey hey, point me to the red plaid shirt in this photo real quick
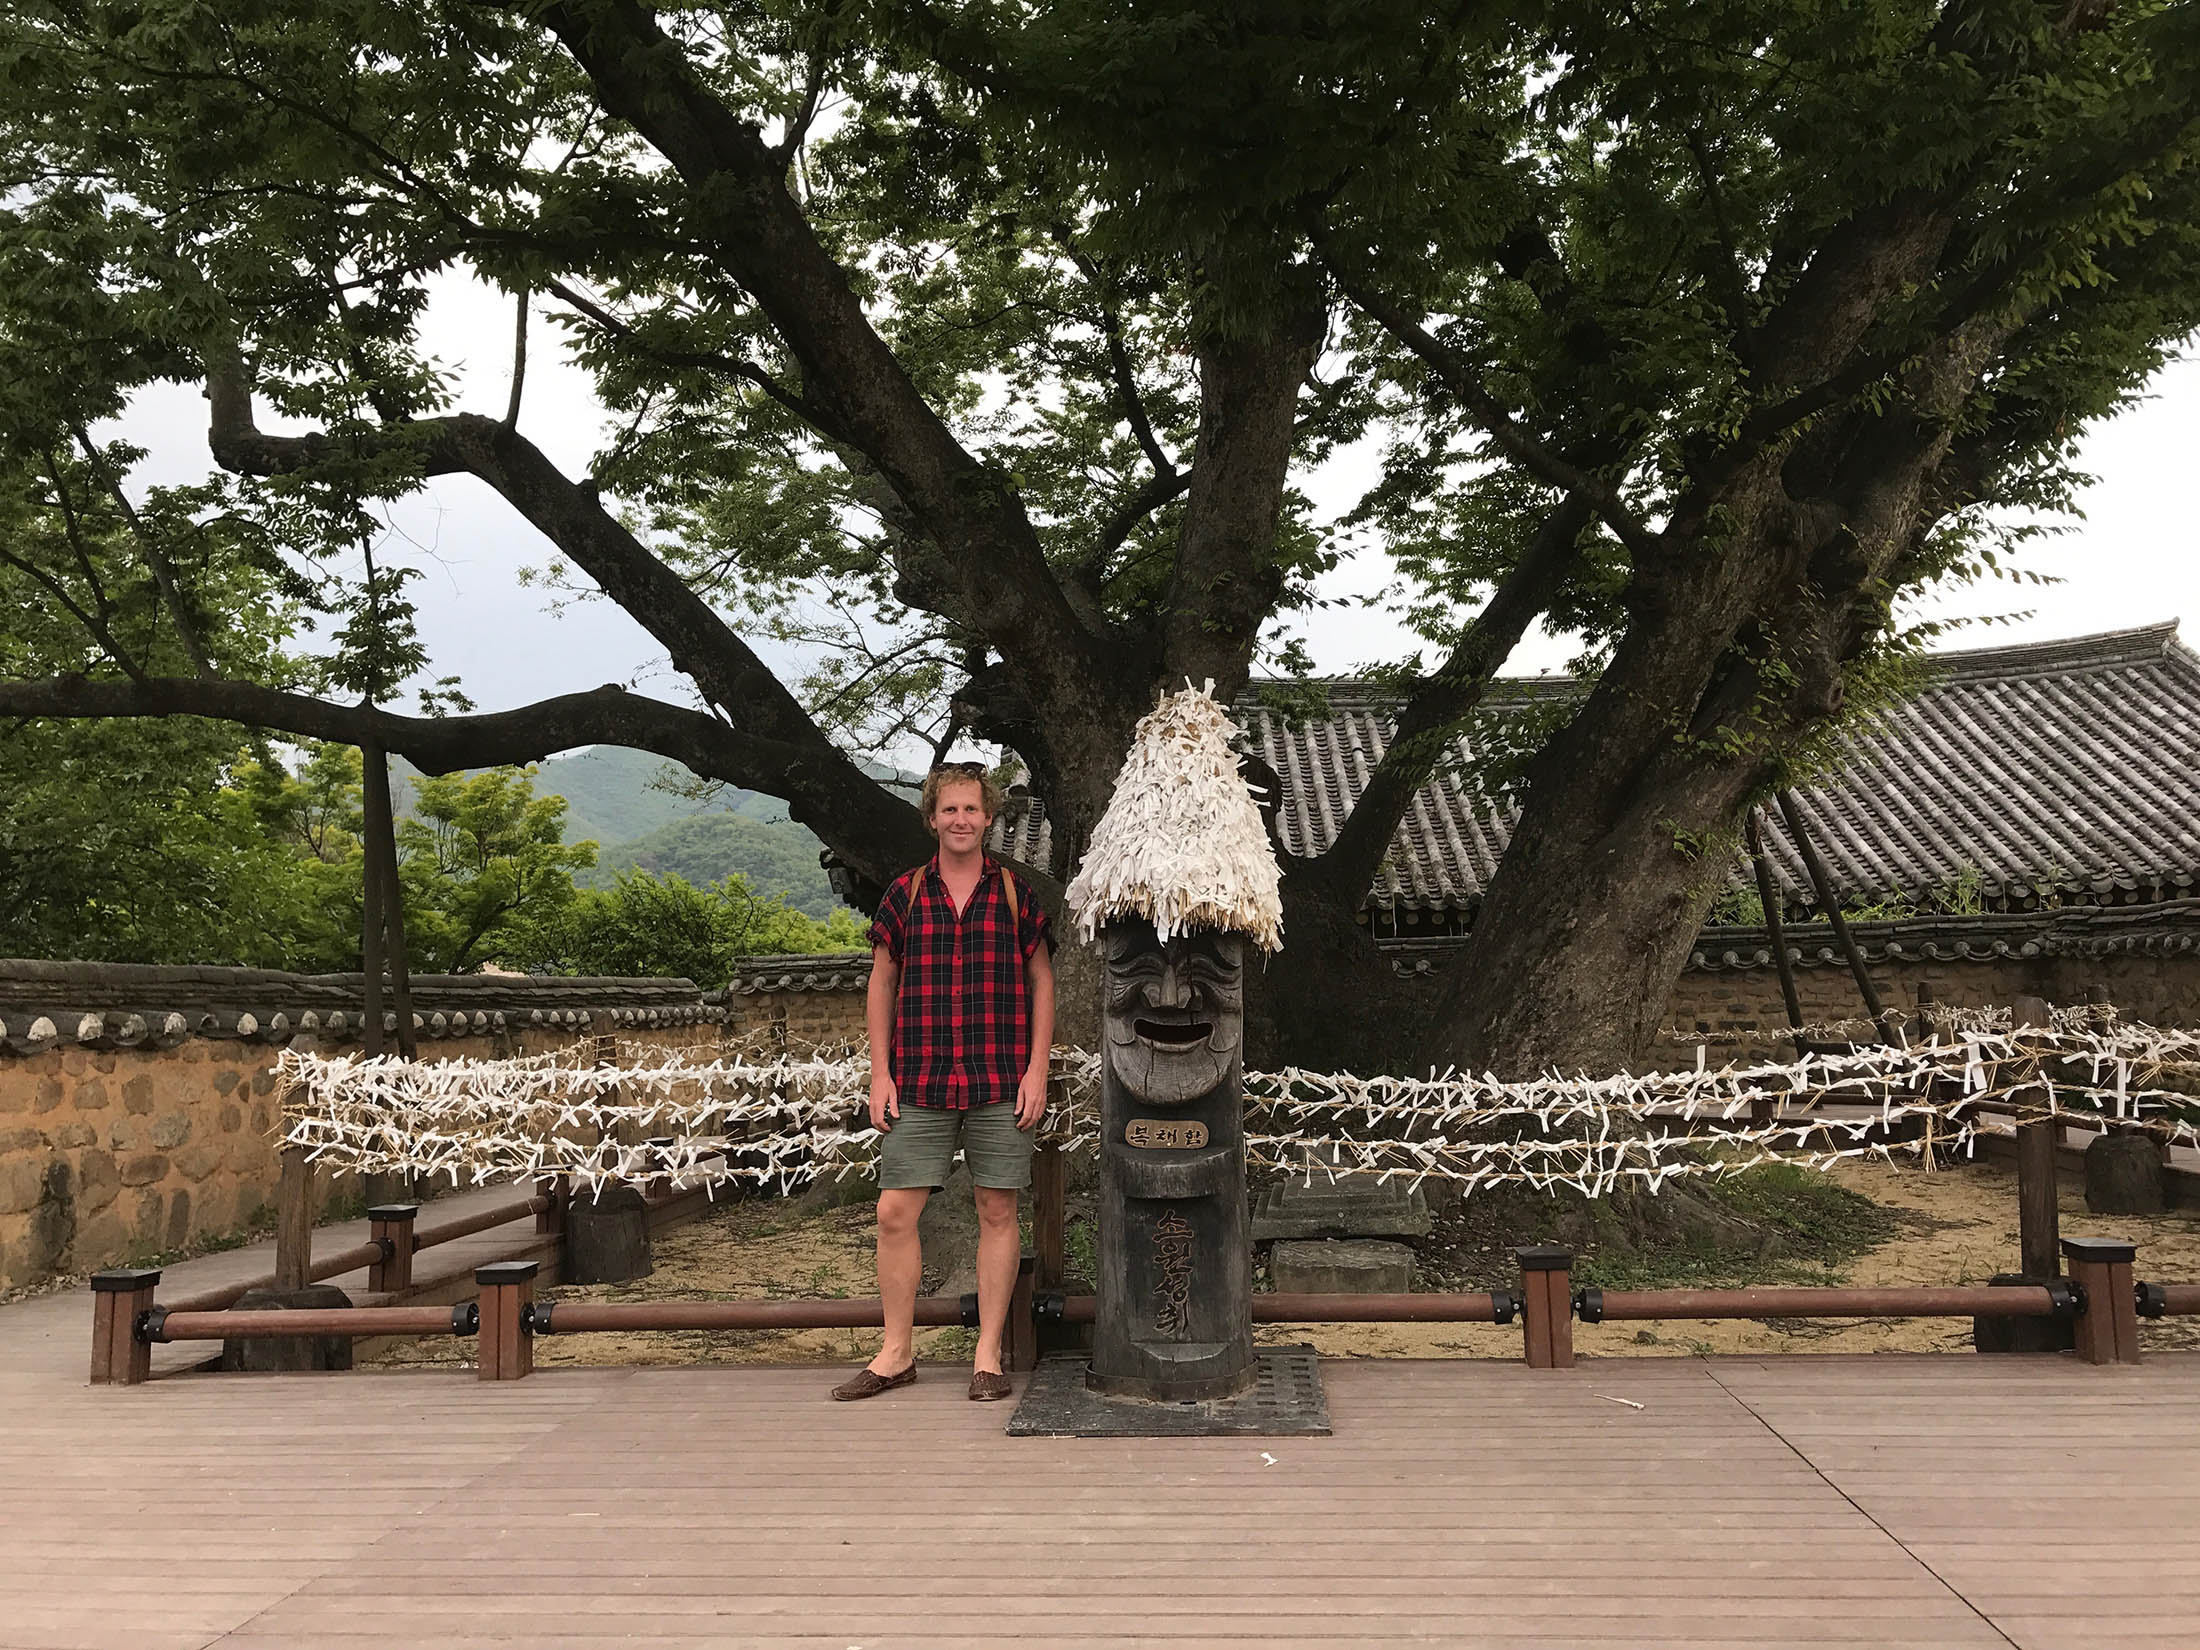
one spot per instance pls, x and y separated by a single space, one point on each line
962 1024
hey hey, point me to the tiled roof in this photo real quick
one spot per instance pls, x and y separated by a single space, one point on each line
2071 764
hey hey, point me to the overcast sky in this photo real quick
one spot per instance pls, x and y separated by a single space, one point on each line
2134 559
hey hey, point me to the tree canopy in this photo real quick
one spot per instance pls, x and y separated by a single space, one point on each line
985 344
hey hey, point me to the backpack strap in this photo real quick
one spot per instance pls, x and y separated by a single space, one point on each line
1008 887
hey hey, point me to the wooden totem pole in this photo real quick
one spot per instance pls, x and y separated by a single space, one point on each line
1177 881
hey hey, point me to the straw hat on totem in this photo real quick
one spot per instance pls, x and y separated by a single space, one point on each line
1181 843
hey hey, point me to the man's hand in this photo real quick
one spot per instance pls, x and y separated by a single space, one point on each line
885 1102
1031 1099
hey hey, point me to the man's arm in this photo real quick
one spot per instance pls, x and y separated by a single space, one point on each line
878 1022
1031 1093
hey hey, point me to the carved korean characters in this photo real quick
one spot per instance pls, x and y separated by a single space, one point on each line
1175 1286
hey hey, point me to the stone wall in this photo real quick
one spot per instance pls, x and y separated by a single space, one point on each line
138 1106
2146 960
799 1002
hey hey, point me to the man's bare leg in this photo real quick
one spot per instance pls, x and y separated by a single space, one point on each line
1000 1247
900 1269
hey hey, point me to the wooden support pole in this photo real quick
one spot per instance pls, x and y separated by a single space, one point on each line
2108 1328
1547 1305
1830 903
381 849
557 1196
1768 896
392 1223
1022 1351
1049 1215
507 1339
293 1219
119 1294
2039 1210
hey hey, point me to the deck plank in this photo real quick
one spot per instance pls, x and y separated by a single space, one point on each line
1950 1502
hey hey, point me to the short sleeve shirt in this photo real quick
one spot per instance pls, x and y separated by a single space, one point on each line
962 1022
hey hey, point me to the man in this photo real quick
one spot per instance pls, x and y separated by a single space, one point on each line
961 1016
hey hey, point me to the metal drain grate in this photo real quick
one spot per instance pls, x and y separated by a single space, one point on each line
1285 1401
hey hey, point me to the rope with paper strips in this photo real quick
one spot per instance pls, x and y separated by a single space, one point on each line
668 1118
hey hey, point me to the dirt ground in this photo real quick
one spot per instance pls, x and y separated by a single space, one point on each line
1952 1226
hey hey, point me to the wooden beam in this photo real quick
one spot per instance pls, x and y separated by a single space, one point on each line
1768 896
1830 903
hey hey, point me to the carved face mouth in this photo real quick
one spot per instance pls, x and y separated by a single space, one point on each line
1173 1033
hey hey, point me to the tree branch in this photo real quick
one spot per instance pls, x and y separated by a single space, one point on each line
835 796
759 236
1510 438
156 558
1423 729
1227 576
445 744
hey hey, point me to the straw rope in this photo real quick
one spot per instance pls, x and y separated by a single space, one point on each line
663 1116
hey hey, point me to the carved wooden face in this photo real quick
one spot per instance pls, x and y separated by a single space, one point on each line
1175 1013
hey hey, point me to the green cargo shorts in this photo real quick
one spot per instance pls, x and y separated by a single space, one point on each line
919 1148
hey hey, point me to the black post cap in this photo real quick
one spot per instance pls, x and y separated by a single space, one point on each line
506 1272
2101 1251
969 1307
1589 1304
123 1280
535 1317
466 1318
2151 1300
393 1211
1545 1257
1503 1306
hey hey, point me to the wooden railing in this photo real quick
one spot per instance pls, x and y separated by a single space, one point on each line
2100 1300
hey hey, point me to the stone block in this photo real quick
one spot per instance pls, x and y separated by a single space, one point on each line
227 1079
2123 1175
22 1185
229 1119
1354 1206
144 1168
171 1129
195 1162
126 1134
51 1092
178 1229
1341 1266
263 1080
97 1180
137 1095
20 1141
316 1352
71 1137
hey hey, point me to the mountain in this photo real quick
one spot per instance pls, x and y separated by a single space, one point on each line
614 795
616 798
776 856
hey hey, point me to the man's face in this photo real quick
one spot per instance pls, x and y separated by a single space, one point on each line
959 818
1175 1012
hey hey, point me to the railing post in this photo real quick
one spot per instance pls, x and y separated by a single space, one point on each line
392 1224
119 1294
1048 1214
1022 1351
507 1340
2108 1328
1547 1304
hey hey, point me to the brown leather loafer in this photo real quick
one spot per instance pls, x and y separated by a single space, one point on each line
987 1387
865 1383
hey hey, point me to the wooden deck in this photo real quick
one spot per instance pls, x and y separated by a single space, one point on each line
1884 1501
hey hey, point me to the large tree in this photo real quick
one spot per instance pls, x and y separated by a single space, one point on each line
1703 330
